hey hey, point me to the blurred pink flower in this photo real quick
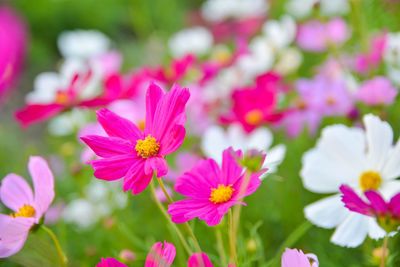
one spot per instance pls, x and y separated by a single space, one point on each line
13 42
161 255
256 105
317 36
365 62
387 213
211 190
377 91
28 207
296 258
110 262
199 260
135 154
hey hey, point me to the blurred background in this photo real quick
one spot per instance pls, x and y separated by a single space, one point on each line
140 30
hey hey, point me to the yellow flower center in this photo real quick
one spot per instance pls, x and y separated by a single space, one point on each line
221 194
147 147
141 125
61 98
26 211
370 180
330 101
254 117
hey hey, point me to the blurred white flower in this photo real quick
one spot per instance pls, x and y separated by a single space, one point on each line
303 8
100 200
281 33
219 10
196 40
83 43
216 139
68 122
363 159
289 60
392 57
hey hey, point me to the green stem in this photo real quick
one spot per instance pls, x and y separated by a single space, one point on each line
164 212
232 239
220 246
290 241
60 252
384 251
186 225
358 22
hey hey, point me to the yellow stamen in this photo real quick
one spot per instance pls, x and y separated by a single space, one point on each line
147 147
141 125
61 98
370 180
221 194
330 101
254 117
26 211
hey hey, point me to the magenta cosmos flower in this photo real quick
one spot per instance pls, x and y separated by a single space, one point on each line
211 190
27 207
110 262
296 258
130 153
387 213
160 255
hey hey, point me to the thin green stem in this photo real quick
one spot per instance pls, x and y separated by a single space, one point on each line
185 225
60 252
232 239
220 246
164 212
384 251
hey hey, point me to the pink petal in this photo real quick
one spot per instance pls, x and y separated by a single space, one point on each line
160 256
199 260
157 165
110 262
294 258
136 179
153 96
394 205
168 113
378 204
43 182
117 126
13 234
15 192
231 170
113 168
353 202
252 185
108 146
173 140
37 113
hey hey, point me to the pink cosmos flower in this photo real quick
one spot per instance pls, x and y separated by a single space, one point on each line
296 258
130 153
231 29
211 189
256 105
387 213
28 207
175 72
161 255
199 260
371 59
13 40
377 91
110 262
317 36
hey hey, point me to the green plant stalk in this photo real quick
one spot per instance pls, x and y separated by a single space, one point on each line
164 212
384 250
232 239
60 252
220 246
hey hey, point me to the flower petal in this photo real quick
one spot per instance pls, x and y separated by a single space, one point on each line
294 258
15 192
117 126
199 260
108 146
274 158
153 95
327 212
161 255
136 179
391 170
352 231
173 140
110 262
214 142
231 170
37 113
13 234
43 182
156 164
113 168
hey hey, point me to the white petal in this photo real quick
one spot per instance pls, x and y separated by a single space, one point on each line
337 159
236 137
260 139
391 169
374 230
352 231
46 85
214 142
389 189
327 212
379 141
274 158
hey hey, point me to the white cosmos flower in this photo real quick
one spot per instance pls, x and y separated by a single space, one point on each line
281 33
196 40
83 43
219 10
216 139
363 159
303 8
